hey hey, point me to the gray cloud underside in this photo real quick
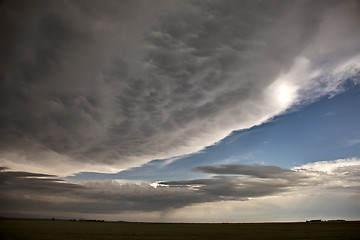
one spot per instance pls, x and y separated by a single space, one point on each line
125 81
22 191
30 192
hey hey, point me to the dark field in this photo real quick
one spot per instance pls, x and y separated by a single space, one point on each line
62 229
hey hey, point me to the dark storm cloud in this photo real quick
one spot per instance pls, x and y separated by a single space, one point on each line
62 72
32 182
124 82
24 191
260 181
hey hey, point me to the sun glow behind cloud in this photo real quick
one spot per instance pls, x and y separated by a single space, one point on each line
284 93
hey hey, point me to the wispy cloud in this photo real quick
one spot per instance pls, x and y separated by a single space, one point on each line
353 142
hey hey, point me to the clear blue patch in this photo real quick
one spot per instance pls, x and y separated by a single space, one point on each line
327 129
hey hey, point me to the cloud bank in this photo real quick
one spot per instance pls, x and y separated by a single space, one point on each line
104 86
27 193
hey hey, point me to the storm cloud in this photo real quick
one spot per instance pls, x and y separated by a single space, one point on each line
24 192
86 85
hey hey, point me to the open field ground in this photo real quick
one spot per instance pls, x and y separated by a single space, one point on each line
62 229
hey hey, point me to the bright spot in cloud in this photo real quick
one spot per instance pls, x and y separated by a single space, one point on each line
155 184
286 93
283 93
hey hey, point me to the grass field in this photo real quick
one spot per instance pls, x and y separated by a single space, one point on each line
62 229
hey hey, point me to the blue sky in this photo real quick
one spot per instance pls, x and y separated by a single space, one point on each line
324 130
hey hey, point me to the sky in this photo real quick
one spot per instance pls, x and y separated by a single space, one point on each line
180 111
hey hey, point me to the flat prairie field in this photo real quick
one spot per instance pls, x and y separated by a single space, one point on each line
65 229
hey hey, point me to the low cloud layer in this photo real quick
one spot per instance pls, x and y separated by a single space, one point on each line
254 181
103 86
24 192
30 193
